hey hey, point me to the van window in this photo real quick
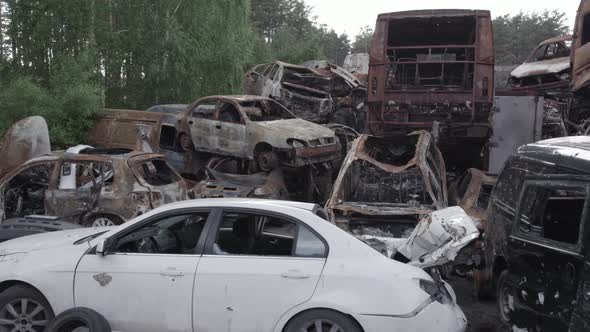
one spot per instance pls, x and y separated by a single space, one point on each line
586 29
552 213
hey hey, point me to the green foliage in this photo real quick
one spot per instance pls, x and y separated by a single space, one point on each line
362 41
515 36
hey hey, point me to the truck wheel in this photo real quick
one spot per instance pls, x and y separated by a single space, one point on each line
23 308
322 320
505 295
79 319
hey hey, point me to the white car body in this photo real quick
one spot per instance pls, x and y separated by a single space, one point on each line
207 292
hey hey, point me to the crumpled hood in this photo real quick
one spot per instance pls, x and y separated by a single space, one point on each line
552 66
438 238
47 240
297 129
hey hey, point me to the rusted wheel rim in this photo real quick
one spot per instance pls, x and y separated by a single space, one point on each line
23 315
266 160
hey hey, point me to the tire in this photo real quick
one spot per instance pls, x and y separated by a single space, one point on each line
504 289
327 318
185 142
72 319
37 312
267 160
102 220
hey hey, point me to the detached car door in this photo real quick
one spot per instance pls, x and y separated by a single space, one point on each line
145 280
257 266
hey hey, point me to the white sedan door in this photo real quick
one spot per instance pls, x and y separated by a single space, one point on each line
146 283
258 268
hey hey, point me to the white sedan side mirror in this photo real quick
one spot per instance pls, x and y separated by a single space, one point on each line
100 247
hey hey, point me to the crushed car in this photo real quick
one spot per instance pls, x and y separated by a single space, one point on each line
536 237
358 65
547 68
91 187
386 185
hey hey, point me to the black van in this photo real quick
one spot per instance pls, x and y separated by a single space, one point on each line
537 239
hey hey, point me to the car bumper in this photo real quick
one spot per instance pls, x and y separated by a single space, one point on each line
435 317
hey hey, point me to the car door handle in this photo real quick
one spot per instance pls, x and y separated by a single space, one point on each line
171 274
294 274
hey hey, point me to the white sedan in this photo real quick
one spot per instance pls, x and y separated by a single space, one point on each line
220 265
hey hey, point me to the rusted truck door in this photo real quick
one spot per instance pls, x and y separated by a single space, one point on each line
545 250
581 316
581 47
201 121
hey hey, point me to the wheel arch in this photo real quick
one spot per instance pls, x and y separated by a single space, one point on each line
7 284
261 147
301 312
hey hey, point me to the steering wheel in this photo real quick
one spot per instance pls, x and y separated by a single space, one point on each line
148 245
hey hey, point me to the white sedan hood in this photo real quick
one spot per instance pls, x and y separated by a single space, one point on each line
47 240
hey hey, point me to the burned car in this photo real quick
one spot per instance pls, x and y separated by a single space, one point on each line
536 238
358 65
547 68
260 185
472 193
386 185
257 129
300 89
92 187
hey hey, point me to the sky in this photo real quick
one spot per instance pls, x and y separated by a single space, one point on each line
349 16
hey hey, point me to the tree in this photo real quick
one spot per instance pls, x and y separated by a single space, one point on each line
515 36
362 41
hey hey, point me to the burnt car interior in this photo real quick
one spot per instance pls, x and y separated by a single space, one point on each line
550 51
553 213
264 110
367 183
229 113
305 77
172 235
157 172
431 52
25 193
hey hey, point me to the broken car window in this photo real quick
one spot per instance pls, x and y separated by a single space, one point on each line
157 172
205 110
86 175
229 113
252 234
266 110
170 235
553 213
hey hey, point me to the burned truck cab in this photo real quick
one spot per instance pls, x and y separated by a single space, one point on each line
433 66
537 236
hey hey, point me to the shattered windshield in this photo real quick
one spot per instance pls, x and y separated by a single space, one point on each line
266 110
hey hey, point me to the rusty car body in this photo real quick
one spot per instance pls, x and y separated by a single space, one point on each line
385 185
156 130
580 59
537 236
92 187
302 90
432 66
472 193
259 129
358 65
547 69
260 185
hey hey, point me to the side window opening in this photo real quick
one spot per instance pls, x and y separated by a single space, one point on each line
205 110
178 234
586 29
259 235
85 176
25 193
229 113
157 172
553 213
484 196
168 136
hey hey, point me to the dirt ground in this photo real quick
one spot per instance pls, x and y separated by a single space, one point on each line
482 316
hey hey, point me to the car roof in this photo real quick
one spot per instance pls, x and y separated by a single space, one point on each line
570 152
242 203
237 98
125 155
168 108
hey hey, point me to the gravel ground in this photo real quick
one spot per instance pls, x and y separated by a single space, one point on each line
482 316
